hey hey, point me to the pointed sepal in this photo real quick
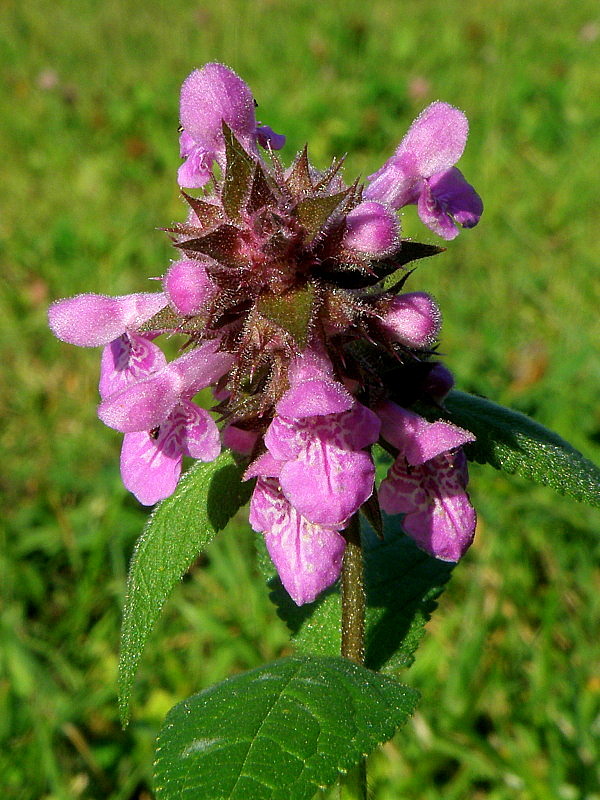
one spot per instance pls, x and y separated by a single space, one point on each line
238 175
293 312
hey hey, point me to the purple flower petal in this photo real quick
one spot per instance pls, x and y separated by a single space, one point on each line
268 139
439 516
438 383
456 197
148 470
239 440
143 405
285 438
146 404
325 474
312 363
397 183
151 461
312 397
308 557
201 367
196 431
420 172
126 360
196 170
356 429
413 319
434 216
326 484
188 286
372 228
417 439
436 139
213 95
265 466
91 320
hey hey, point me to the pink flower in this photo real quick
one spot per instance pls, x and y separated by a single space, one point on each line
210 96
147 403
325 472
308 556
91 320
318 438
422 171
127 360
427 482
151 460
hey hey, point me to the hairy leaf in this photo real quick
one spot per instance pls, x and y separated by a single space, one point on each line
511 441
278 732
180 527
402 584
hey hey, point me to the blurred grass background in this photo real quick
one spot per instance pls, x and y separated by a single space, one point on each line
509 670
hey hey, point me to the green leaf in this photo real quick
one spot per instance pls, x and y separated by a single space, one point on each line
402 584
278 732
510 441
180 527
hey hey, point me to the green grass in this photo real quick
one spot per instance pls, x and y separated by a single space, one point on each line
508 672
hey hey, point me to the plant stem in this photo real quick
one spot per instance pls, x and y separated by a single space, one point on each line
353 596
353 785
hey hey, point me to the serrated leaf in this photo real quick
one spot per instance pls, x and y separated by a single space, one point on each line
238 175
514 443
222 244
292 311
299 180
180 527
278 732
313 212
402 584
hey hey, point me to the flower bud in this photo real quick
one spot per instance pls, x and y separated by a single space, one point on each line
188 286
372 228
413 319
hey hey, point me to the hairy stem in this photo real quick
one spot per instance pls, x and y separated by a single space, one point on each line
353 596
353 785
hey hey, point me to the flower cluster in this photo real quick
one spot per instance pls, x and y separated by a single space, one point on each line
289 293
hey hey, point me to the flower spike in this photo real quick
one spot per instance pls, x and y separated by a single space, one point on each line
289 299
